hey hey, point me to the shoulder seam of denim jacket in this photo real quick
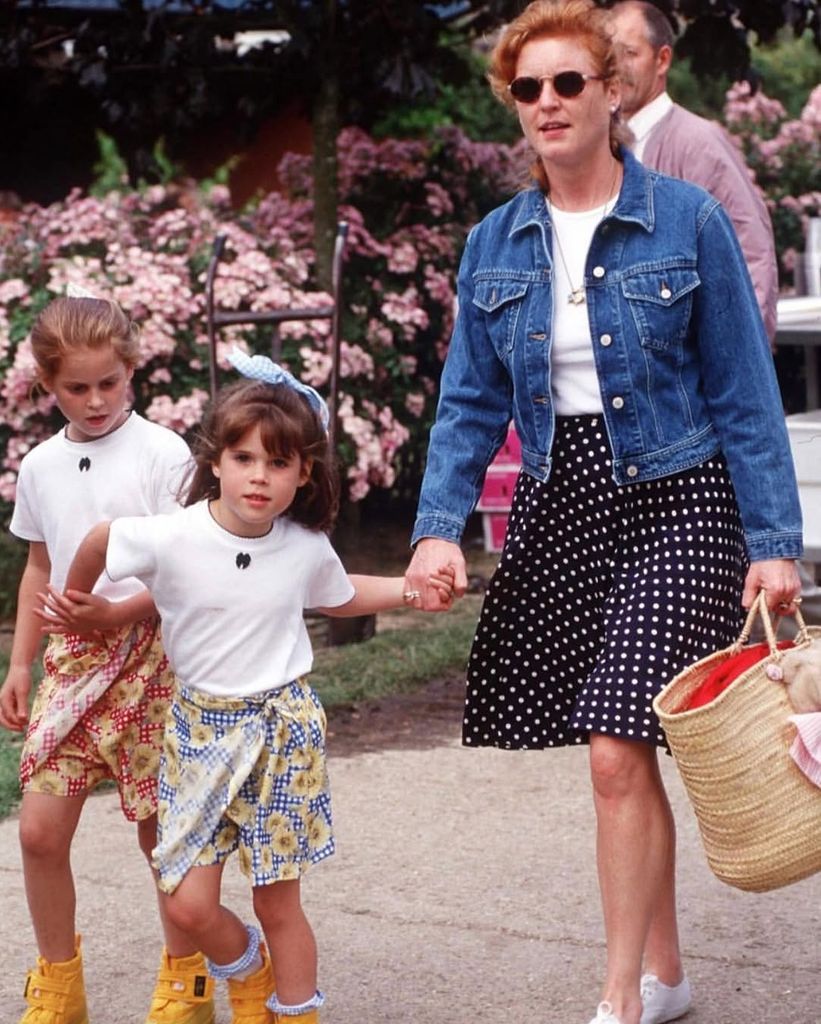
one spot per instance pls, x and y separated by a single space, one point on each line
706 212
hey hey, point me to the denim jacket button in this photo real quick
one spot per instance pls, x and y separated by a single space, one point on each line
618 402
598 271
665 292
605 340
538 336
632 470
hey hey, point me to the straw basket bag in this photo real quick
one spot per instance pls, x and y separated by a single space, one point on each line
759 816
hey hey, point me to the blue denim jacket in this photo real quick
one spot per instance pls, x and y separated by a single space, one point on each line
684 364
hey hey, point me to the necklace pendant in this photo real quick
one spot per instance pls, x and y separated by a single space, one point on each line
577 296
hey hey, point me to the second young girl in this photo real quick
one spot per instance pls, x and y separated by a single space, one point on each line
244 762
100 708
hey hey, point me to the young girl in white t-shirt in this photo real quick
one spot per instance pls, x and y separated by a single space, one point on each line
100 708
244 761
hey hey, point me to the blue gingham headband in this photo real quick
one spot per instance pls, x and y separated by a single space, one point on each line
265 369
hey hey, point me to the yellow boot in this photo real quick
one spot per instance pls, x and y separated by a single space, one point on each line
248 996
56 993
184 993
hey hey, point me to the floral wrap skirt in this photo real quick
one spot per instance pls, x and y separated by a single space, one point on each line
246 774
99 714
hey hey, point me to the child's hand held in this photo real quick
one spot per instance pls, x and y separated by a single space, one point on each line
75 612
444 581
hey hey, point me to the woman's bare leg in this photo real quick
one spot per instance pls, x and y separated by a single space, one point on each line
635 851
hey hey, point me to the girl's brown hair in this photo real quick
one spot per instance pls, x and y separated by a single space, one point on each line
67 324
288 426
570 19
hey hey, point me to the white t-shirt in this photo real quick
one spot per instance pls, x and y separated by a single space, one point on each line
231 606
574 381
66 487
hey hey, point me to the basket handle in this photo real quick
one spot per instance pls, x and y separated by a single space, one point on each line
758 609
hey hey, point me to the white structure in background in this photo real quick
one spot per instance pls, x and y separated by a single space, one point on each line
803 314
808 266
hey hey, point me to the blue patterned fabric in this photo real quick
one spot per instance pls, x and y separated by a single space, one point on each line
282 1010
244 774
265 369
224 971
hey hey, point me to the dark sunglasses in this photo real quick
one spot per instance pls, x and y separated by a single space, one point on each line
566 84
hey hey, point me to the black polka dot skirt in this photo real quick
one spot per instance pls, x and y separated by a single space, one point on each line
602 594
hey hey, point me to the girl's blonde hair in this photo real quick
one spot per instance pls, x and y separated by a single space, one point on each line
288 426
569 19
67 324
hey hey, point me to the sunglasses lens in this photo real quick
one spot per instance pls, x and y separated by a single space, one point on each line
566 84
569 83
526 89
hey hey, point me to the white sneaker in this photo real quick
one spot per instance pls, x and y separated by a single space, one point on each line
660 1002
605 1015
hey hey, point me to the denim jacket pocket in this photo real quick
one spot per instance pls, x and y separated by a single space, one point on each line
661 302
501 301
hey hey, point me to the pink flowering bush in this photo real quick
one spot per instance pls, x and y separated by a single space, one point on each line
785 156
409 206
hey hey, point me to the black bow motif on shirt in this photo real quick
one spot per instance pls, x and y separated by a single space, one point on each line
243 560
85 463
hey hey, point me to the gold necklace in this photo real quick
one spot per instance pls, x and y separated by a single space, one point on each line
577 296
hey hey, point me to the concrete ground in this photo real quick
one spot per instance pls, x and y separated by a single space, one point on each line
463 890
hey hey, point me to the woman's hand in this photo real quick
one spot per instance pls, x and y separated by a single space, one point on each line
431 557
779 578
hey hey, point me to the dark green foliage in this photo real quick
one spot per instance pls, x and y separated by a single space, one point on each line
141 75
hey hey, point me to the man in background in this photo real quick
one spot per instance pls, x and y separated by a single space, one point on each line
677 142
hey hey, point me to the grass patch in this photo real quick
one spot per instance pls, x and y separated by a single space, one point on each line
398 659
10 744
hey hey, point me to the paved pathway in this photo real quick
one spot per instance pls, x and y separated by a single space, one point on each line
463 885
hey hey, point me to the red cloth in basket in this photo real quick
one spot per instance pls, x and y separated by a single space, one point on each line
729 669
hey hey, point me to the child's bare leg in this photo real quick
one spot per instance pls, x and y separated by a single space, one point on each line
177 943
290 940
194 909
47 827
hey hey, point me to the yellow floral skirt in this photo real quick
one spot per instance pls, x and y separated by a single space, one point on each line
99 714
244 774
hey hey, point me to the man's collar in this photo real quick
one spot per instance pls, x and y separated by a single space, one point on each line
646 119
